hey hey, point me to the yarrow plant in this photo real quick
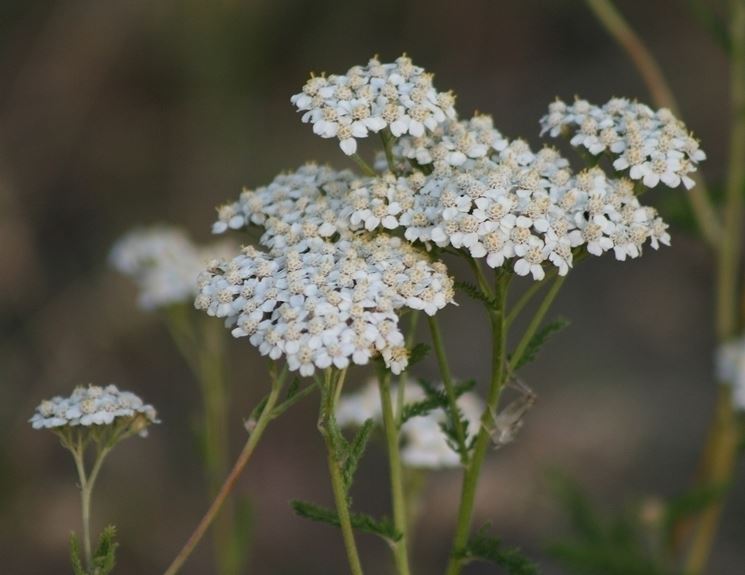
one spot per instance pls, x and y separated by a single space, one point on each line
96 418
338 265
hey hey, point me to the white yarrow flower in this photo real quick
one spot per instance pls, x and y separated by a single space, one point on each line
398 96
94 406
653 146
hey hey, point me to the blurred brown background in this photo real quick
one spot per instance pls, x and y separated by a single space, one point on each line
119 113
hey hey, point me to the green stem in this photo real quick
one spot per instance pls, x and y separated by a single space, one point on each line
87 483
480 277
202 350
363 165
404 377
327 428
85 504
387 139
267 414
400 548
211 378
535 323
481 444
447 380
649 69
526 298
718 461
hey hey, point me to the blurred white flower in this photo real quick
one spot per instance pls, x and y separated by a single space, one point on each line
730 369
164 263
93 406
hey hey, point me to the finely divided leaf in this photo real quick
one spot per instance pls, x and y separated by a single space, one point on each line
381 527
77 563
354 452
104 559
418 353
483 547
539 339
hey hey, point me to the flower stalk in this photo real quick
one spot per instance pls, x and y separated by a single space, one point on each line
87 482
332 381
398 494
449 384
268 413
202 350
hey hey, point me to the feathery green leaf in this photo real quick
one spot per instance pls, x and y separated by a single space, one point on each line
381 527
539 339
483 547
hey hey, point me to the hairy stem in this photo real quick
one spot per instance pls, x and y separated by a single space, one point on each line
267 414
326 424
481 445
649 69
390 426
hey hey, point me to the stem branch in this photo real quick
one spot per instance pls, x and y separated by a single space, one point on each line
267 414
400 549
447 380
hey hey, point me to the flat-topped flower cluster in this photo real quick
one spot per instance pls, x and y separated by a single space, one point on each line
654 146
92 405
399 97
341 255
321 294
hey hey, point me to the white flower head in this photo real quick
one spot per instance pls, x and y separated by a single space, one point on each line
397 96
164 263
320 304
512 207
654 146
92 406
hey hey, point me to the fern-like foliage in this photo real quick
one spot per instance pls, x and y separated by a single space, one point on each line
600 545
104 558
539 339
483 547
475 292
436 398
362 522
75 560
354 450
